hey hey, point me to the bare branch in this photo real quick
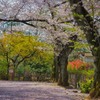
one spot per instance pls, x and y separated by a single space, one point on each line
26 20
26 57
19 10
57 5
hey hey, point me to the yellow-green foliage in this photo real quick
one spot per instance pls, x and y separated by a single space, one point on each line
18 44
86 86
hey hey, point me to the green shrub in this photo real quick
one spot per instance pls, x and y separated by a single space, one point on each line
86 86
3 73
41 71
20 71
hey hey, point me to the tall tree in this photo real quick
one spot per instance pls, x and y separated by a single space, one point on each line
45 15
17 47
86 23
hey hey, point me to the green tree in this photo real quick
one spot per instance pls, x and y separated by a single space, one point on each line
17 47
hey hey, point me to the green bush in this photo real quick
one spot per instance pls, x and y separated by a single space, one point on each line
3 73
20 72
42 71
86 86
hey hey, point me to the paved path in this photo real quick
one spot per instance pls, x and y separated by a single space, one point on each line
32 91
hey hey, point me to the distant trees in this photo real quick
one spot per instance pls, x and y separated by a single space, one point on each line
16 48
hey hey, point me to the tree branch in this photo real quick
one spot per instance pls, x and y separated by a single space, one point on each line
57 5
27 56
26 20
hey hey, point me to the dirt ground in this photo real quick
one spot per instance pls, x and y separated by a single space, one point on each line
37 91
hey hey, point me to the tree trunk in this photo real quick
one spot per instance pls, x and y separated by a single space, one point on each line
60 73
95 92
55 69
13 74
62 70
14 71
61 62
97 71
7 66
8 71
85 21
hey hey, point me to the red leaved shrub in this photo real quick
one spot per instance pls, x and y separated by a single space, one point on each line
78 64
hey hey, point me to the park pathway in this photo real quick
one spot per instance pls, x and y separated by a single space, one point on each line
34 91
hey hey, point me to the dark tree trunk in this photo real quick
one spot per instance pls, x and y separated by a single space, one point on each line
95 92
62 70
61 62
15 66
55 69
85 21
97 71
14 73
8 65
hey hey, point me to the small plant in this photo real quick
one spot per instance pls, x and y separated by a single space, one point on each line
86 86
